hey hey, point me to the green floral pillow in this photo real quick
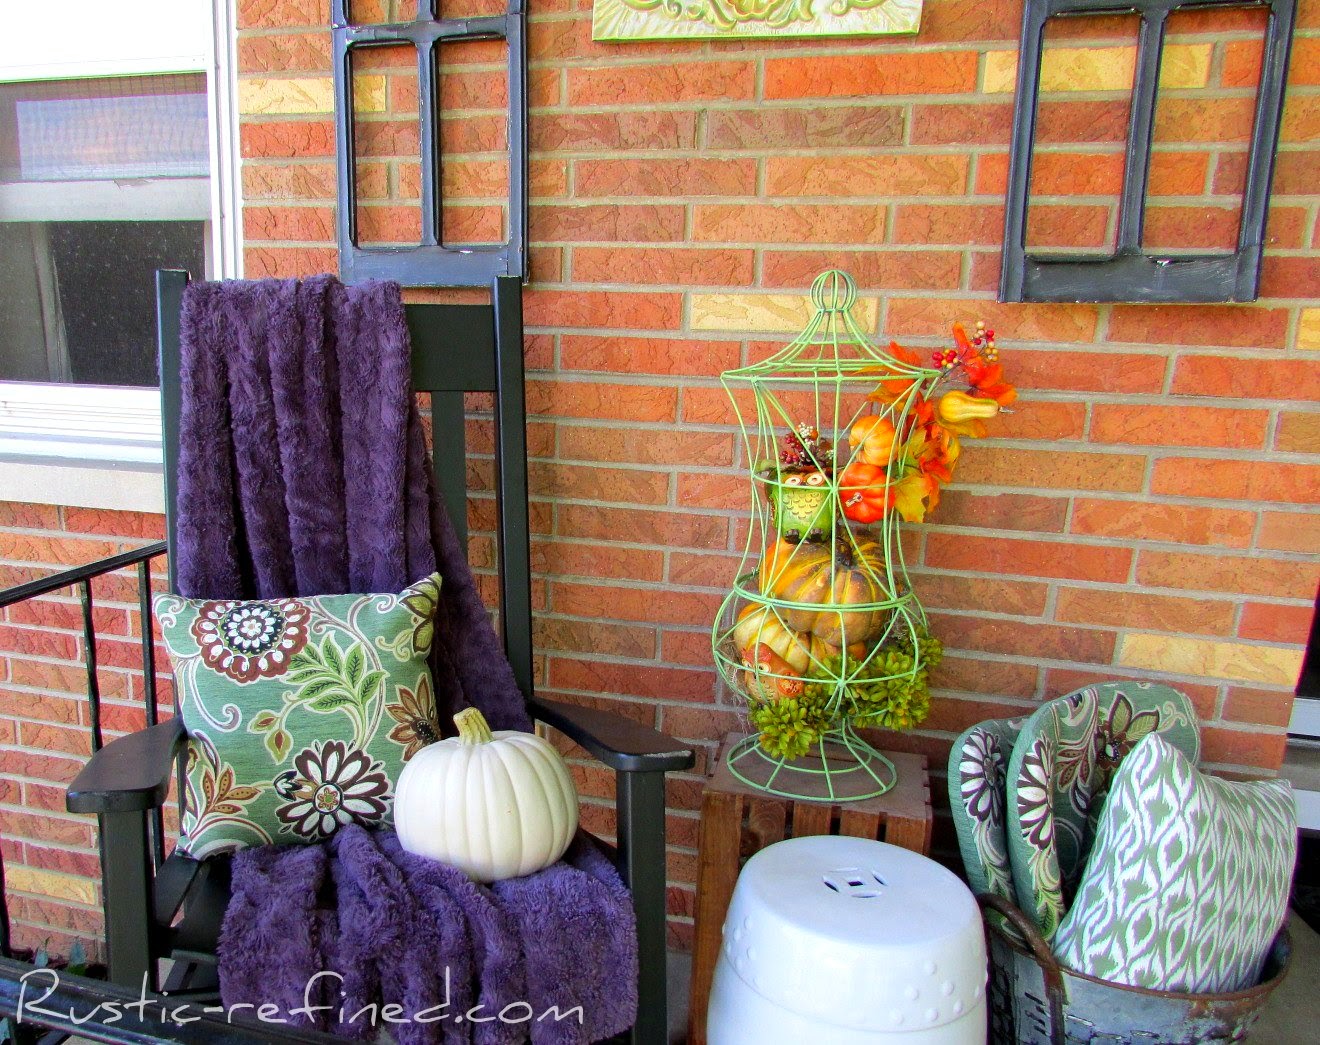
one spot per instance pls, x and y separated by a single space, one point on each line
300 713
978 771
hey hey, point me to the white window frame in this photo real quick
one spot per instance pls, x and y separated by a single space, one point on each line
1305 720
77 444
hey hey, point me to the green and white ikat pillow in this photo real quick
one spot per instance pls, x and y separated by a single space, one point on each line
1187 884
300 712
1058 776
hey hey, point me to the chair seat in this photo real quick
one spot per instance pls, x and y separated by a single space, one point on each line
192 896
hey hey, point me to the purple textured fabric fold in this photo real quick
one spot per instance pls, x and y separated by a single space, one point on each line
258 935
570 922
303 470
552 956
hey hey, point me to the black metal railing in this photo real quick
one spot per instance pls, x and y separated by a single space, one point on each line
81 578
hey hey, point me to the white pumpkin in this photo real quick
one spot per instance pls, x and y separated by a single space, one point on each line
495 805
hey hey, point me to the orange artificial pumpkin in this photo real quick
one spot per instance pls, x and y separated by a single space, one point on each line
832 578
759 626
872 439
768 676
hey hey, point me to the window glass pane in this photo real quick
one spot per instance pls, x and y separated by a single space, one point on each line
84 309
84 130
102 181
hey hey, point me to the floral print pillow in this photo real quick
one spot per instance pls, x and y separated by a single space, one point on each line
300 713
1062 766
978 776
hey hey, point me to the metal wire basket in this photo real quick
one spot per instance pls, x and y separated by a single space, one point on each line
1035 1001
821 621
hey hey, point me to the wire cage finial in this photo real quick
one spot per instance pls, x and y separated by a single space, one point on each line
833 291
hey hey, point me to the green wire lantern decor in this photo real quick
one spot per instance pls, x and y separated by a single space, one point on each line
822 633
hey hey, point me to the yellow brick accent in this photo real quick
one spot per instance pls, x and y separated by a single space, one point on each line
1308 328
1237 661
274 96
1185 66
52 884
1098 68
770 313
1000 73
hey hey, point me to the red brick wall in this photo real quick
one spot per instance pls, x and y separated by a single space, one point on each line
1151 502
51 862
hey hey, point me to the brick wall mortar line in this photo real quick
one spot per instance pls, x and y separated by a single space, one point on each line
84 819
1118 588
64 847
61 901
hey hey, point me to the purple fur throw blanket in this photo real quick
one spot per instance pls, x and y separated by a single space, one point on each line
303 470
358 936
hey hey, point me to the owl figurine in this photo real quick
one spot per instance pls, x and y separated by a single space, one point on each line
800 504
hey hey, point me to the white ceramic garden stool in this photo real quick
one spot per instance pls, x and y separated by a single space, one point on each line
839 941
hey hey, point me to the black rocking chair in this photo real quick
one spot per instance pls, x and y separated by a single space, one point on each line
174 910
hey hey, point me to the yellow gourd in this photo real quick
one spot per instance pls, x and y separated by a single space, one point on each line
956 407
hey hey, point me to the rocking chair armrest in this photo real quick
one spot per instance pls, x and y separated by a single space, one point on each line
130 774
617 741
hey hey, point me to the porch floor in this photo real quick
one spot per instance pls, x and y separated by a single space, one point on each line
1290 1018
1293 1014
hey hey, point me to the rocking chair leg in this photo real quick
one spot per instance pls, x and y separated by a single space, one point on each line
641 815
126 880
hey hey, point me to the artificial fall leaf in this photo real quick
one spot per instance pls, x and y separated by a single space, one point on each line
905 355
988 382
932 451
914 494
972 428
921 414
895 389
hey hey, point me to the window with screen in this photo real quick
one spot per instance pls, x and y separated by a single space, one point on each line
102 181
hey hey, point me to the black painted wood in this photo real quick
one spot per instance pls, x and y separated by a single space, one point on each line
1130 273
170 284
515 533
431 263
449 429
126 877
131 773
618 742
640 809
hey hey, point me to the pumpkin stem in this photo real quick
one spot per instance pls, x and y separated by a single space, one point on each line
472 727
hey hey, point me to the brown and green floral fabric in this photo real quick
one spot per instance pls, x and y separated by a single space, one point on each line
1060 772
978 777
300 713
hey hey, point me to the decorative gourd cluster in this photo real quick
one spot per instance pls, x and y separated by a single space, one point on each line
822 631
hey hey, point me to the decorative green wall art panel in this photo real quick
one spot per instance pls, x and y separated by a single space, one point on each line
701 19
